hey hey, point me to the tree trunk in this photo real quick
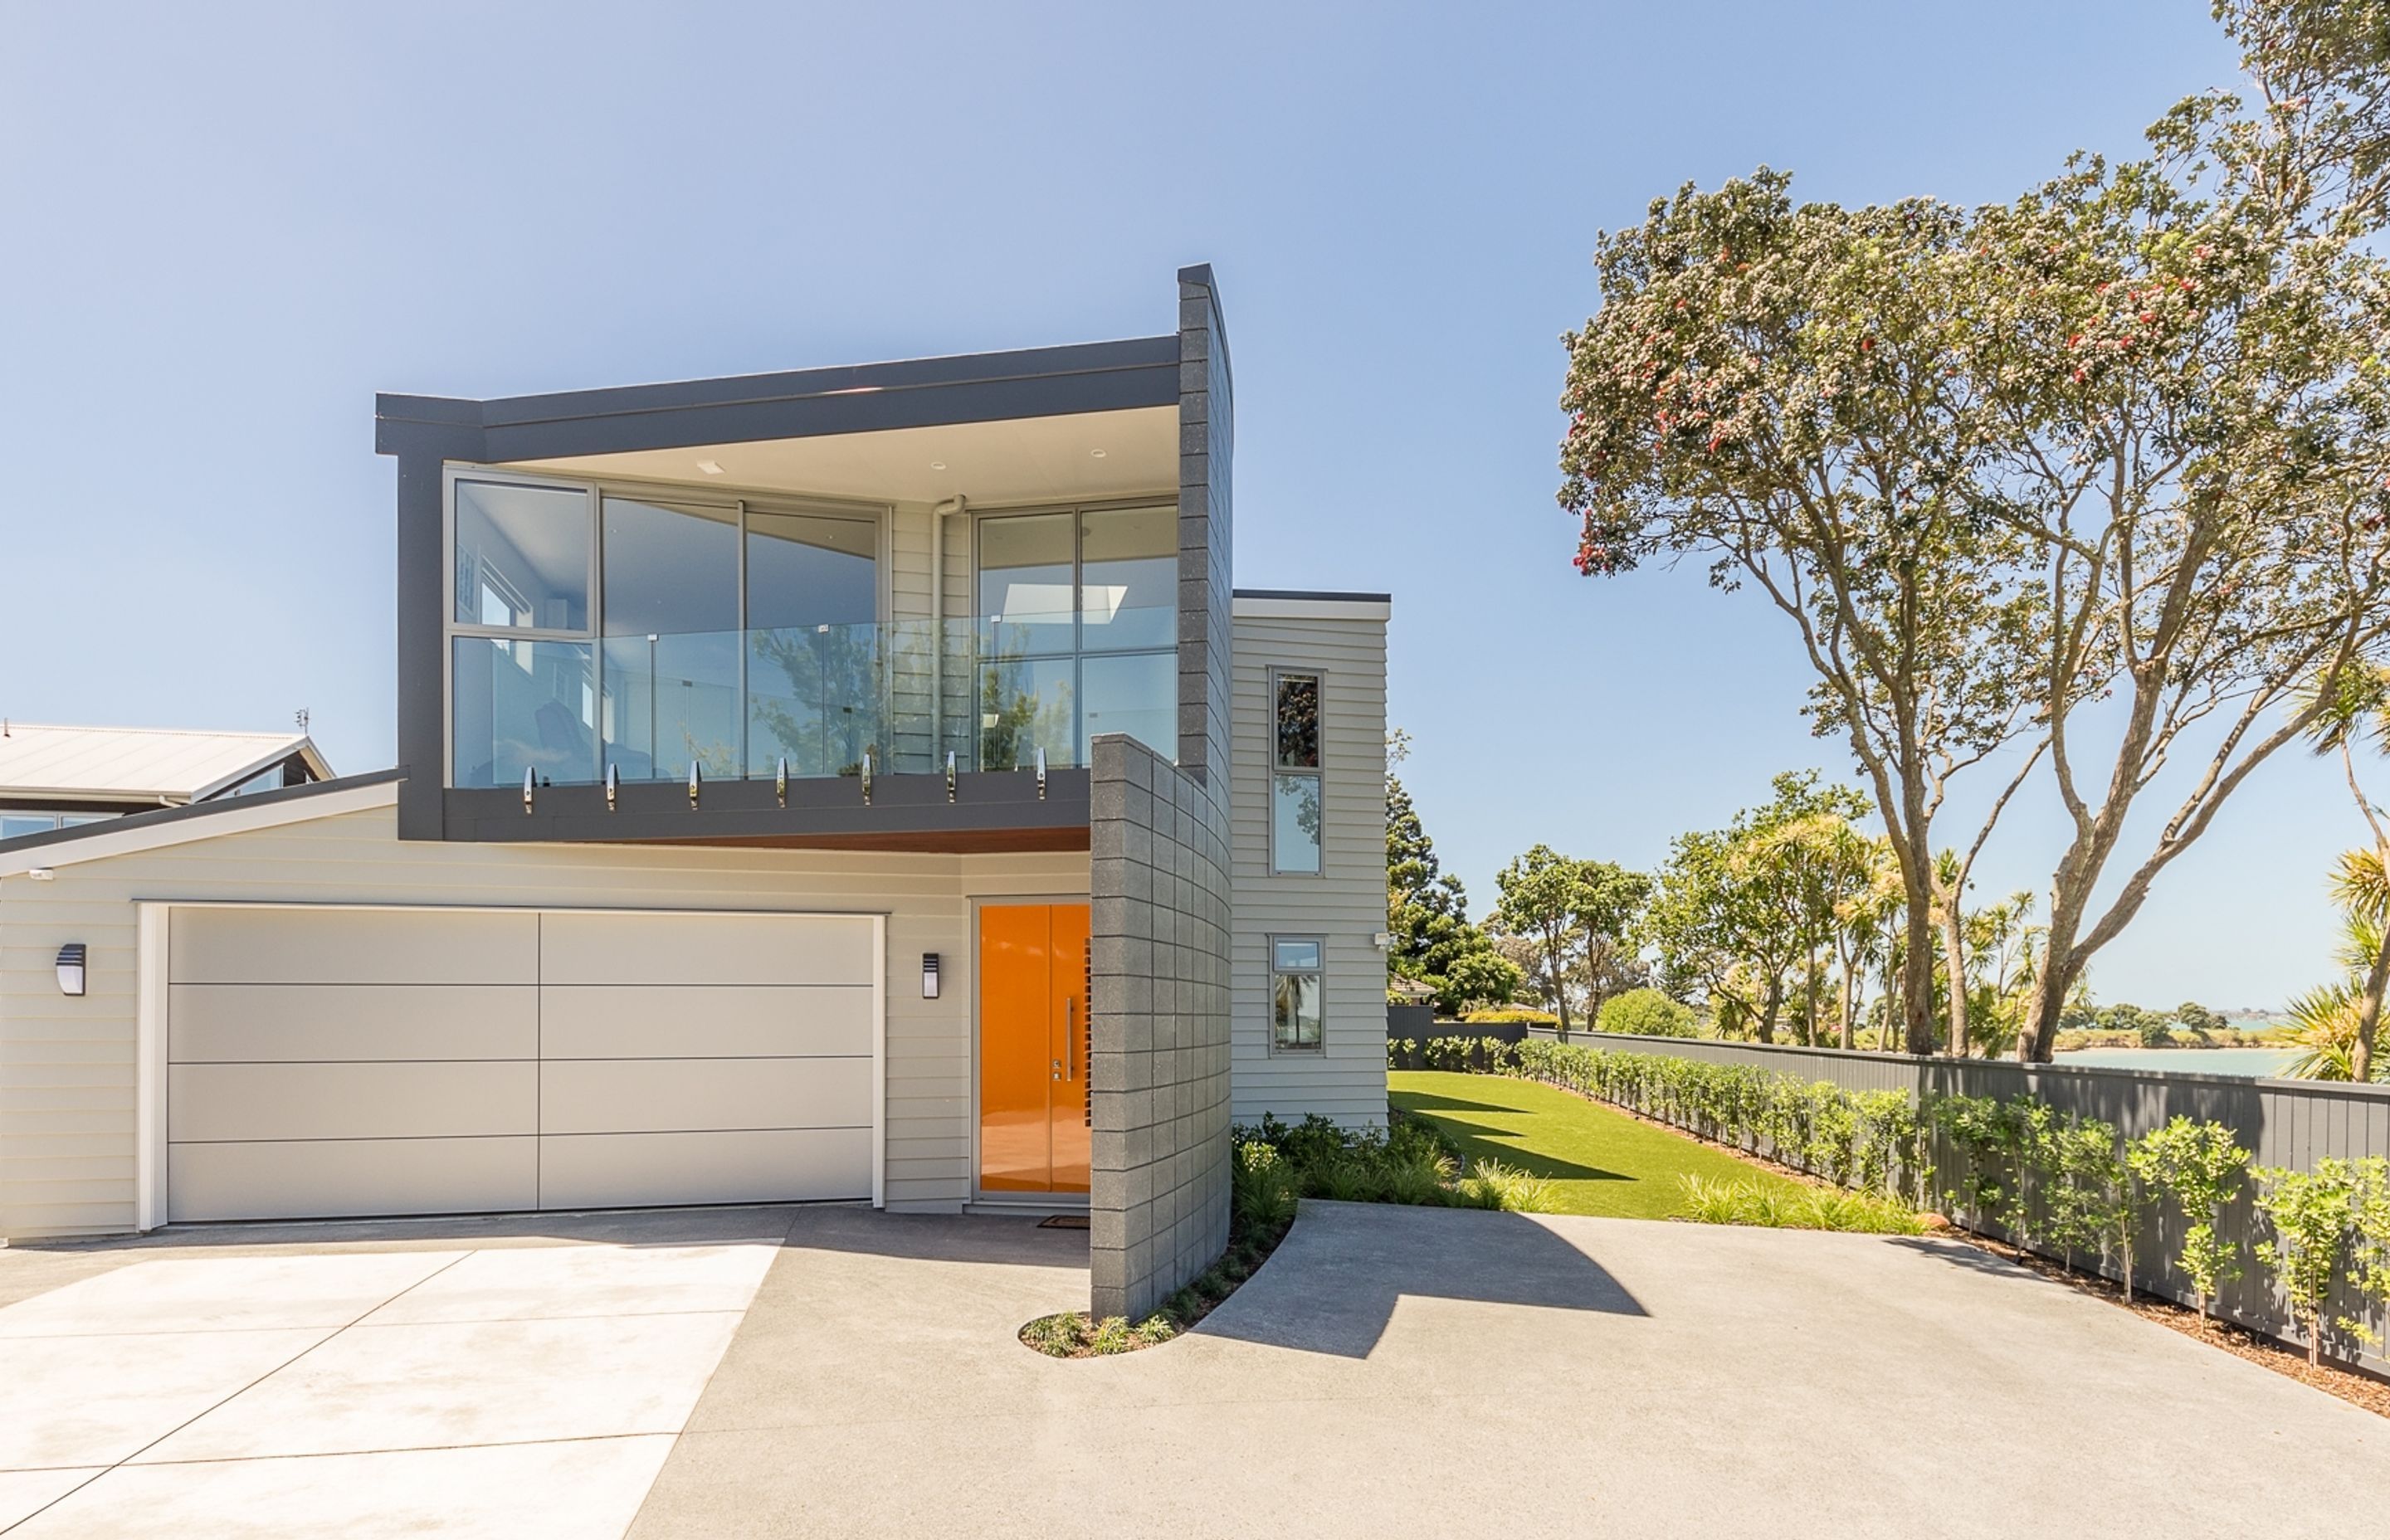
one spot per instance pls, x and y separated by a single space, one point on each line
1850 998
1917 976
1954 958
2369 1010
2061 967
1809 1021
1769 1006
1891 993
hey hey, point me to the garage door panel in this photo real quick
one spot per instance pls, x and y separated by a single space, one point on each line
302 1023
792 1165
213 1102
677 1095
702 1020
705 949
326 1178
352 946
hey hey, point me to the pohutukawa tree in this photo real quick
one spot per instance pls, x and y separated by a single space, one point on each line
2101 471
1775 390
2183 357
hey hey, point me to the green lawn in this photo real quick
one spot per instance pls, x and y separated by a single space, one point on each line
1599 1161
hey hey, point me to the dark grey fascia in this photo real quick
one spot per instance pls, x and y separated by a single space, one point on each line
986 803
1322 594
866 398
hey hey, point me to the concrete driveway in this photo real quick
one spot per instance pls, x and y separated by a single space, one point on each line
336 1386
1391 1371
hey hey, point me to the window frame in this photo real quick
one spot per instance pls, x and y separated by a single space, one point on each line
1272 774
1079 652
595 491
1272 973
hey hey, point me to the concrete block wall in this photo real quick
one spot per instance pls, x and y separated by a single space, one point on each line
1160 879
1158 1084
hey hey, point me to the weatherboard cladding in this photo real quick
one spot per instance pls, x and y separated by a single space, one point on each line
1345 903
68 1091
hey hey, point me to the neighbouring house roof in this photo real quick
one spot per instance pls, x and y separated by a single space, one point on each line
139 765
175 826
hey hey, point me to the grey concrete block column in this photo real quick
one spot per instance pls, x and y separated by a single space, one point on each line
1158 1084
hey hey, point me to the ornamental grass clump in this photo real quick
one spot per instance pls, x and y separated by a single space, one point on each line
1772 1206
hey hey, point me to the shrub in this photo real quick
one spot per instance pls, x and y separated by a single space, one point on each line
2310 1214
1510 1014
1645 1012
2198 1167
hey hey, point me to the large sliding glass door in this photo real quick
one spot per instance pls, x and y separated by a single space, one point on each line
646 632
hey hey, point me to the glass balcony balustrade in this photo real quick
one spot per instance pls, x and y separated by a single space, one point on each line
990 691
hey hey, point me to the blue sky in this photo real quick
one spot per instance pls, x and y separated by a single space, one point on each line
229 225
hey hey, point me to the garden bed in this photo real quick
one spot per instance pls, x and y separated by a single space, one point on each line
1274 1167
2354 1386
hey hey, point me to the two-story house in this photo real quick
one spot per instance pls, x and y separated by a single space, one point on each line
857 784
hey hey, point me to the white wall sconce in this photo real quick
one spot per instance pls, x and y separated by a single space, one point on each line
929 975
1382 940
70 968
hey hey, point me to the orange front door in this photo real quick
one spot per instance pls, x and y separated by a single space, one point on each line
1033 1047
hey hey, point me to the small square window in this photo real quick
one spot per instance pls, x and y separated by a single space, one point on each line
1296 977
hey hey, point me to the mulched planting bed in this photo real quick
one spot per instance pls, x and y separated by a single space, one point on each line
2353 1386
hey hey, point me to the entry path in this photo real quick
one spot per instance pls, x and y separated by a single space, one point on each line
515 1389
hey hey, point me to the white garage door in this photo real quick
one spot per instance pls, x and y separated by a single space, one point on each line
327 1061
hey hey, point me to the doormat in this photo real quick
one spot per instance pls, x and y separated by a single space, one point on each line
1063 1222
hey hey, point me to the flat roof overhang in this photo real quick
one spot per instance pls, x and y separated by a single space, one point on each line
1133 375
990 811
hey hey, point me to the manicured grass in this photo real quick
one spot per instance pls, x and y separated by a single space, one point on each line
1599 1161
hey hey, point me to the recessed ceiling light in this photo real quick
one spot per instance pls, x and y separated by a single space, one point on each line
710 468
1097 453
937 465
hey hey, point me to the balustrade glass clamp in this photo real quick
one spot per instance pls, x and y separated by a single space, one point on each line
614 785
780 787
1041 774
527 785
692 783
866 777
950 774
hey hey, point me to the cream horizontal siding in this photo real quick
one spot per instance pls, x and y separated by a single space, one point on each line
68 1089
1346 904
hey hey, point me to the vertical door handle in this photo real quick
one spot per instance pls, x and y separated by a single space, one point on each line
1071 1037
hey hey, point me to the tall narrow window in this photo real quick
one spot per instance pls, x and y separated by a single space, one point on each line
1295 774
812 643
672 643
1296 969
522 685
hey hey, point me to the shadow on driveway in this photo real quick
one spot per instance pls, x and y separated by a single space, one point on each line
1332 1285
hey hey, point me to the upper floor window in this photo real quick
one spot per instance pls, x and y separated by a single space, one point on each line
645 634
522 556
1295 774
1078 629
